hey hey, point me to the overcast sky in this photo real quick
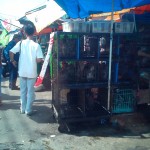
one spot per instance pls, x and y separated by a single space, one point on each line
17 8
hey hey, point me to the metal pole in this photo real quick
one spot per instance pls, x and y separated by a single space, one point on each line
134 22
110 57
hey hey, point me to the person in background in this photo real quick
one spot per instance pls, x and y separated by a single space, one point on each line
30 55
1 48
13 70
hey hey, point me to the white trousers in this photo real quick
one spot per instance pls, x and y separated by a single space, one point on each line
27 93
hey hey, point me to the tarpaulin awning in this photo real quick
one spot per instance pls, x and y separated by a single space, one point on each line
56 25
84 8
142 9
46 16
139 12
107 16
10 25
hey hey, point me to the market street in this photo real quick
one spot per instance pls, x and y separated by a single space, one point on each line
40 131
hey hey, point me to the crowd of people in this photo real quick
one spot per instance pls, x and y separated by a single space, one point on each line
22 56
1 48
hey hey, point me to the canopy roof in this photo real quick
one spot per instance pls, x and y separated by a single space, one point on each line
84 8
142 11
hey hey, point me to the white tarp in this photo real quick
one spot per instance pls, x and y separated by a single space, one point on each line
46 16
10 24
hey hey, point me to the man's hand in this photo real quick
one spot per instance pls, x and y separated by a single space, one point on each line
39 60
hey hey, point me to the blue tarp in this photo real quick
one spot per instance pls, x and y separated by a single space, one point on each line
83 8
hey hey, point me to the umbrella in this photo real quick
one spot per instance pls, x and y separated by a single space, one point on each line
84 8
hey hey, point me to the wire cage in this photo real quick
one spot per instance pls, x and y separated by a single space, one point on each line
67 46
67 71
89 46
87 71
123 101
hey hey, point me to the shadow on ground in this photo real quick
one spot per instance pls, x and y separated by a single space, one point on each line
134 126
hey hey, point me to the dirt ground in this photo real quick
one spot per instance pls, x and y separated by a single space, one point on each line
40 131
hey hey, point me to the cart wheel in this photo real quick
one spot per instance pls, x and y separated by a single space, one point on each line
54 116
63 128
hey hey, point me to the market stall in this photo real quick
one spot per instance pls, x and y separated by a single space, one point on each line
82 9
69 87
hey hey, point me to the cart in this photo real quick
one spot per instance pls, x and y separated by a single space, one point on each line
79 73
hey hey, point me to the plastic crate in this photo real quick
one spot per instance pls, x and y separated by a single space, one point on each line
101 26
124 27
123 101
76 26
